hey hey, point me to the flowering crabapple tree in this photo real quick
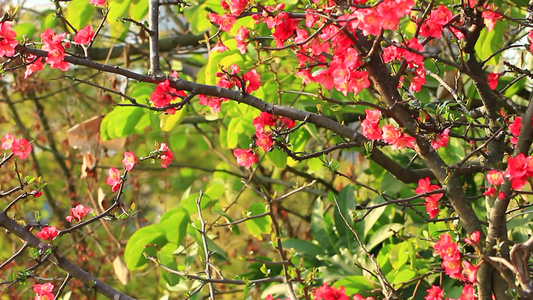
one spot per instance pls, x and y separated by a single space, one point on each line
305 149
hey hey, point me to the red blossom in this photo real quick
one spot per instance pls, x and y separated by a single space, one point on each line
490 17
470 271
78 213
98 2
225 22
468 293
84 36
245 158
491 191
474 238
447 249
253 80
237 6
495 177
44 291
326 292
213 102
441 139
514 129
493 80
113 179
434 293
166 155
219 47
21 148
242 34
264 140
47 233
129 160
36 65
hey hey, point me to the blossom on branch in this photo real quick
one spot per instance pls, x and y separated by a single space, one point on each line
245 158
21 148
84 36
44 291
47 233
78 213
113 179
129 160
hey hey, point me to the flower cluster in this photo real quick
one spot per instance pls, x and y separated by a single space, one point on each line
164 94
44 291
56 52
436 293
453 265
8 42
325 292
519 169
20 147
228 80
432 201
388 133
264 137
433 26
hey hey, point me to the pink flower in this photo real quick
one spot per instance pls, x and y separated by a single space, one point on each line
468 293
441 140
515 129
98 2
213 102
242 34
7 141
41 289
253 79
245 158
495 177
330 293
166 155
219 47
36 65
44 291
287 122
7 47
493 80
470 271
113 179
129 160
490 18
84 36
21 148
434 293
491 191
47 233
78 212
474 238
225 22
264 140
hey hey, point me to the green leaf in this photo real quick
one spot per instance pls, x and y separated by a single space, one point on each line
278 158
371 219
169 122
174 222
258 226
307 249
138 9
120 122
320 228
215 189
355 284
346 202
118 9
149 235
79 13
167 258
490 42
383 233
22 29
